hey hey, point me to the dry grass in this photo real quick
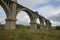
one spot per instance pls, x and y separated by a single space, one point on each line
29 34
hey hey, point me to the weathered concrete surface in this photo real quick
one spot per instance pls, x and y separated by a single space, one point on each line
48 24
33 23
41 19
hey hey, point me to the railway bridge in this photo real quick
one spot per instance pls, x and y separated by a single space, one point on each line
12 8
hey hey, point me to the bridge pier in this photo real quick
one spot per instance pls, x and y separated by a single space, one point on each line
42 23
10 24
41 19
11 19
33 25
48 24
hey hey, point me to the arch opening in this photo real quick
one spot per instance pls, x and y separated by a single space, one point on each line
2 17
23 19
38 23
5 7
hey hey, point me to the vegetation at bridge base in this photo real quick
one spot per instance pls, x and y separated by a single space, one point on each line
22 27
26 34
17 26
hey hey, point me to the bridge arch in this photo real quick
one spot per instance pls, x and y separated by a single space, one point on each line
5 7
32 18
23 17
29 13
2 16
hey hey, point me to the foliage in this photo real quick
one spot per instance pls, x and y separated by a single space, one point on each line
17 26
1 27
22 27
57 28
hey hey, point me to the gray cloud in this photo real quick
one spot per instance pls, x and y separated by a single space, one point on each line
22 17
55 18
31 3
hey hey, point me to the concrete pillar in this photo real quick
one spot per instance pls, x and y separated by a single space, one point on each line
33 23
11 19
10 24
48 24
41 23
41 19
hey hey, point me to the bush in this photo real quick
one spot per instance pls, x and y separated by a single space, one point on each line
1 27
22 27
57 28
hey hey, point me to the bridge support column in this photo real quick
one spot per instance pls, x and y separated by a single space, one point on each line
10 24
11 19
41 23
48 24
33 25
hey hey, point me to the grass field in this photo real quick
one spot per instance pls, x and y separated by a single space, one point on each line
26 34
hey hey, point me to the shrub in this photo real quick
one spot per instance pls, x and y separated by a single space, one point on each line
57 28
22 27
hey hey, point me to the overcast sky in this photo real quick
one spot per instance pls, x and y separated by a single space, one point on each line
50 9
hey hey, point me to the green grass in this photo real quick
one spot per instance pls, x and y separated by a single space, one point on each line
20 34
17 26
23 33
22 27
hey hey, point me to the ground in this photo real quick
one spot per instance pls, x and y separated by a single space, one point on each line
26 34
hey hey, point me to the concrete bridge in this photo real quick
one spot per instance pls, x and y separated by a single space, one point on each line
12 8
